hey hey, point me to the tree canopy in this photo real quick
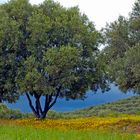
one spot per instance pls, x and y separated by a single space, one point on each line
47 50
122 51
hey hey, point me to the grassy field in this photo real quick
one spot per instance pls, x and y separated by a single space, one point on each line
113 121
26 133
92 128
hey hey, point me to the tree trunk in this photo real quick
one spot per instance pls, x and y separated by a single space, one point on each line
1 95
49 102
0 100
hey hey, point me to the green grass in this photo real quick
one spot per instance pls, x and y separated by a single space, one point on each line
26 133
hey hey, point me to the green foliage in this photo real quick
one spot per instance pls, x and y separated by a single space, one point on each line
6 113
12 31
61 64
116 39
122 52
49 50
134 23
127 72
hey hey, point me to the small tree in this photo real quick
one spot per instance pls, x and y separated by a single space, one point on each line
55 53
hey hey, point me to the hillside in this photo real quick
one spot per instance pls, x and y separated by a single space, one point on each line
130 105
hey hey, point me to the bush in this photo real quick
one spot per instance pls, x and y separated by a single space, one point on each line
6 113
104 113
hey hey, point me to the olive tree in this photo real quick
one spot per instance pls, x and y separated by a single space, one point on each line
54 53
122 51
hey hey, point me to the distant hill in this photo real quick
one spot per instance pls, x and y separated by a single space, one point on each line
130 105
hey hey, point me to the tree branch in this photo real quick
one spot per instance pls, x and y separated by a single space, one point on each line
31 105
57 94
38 105
48 101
